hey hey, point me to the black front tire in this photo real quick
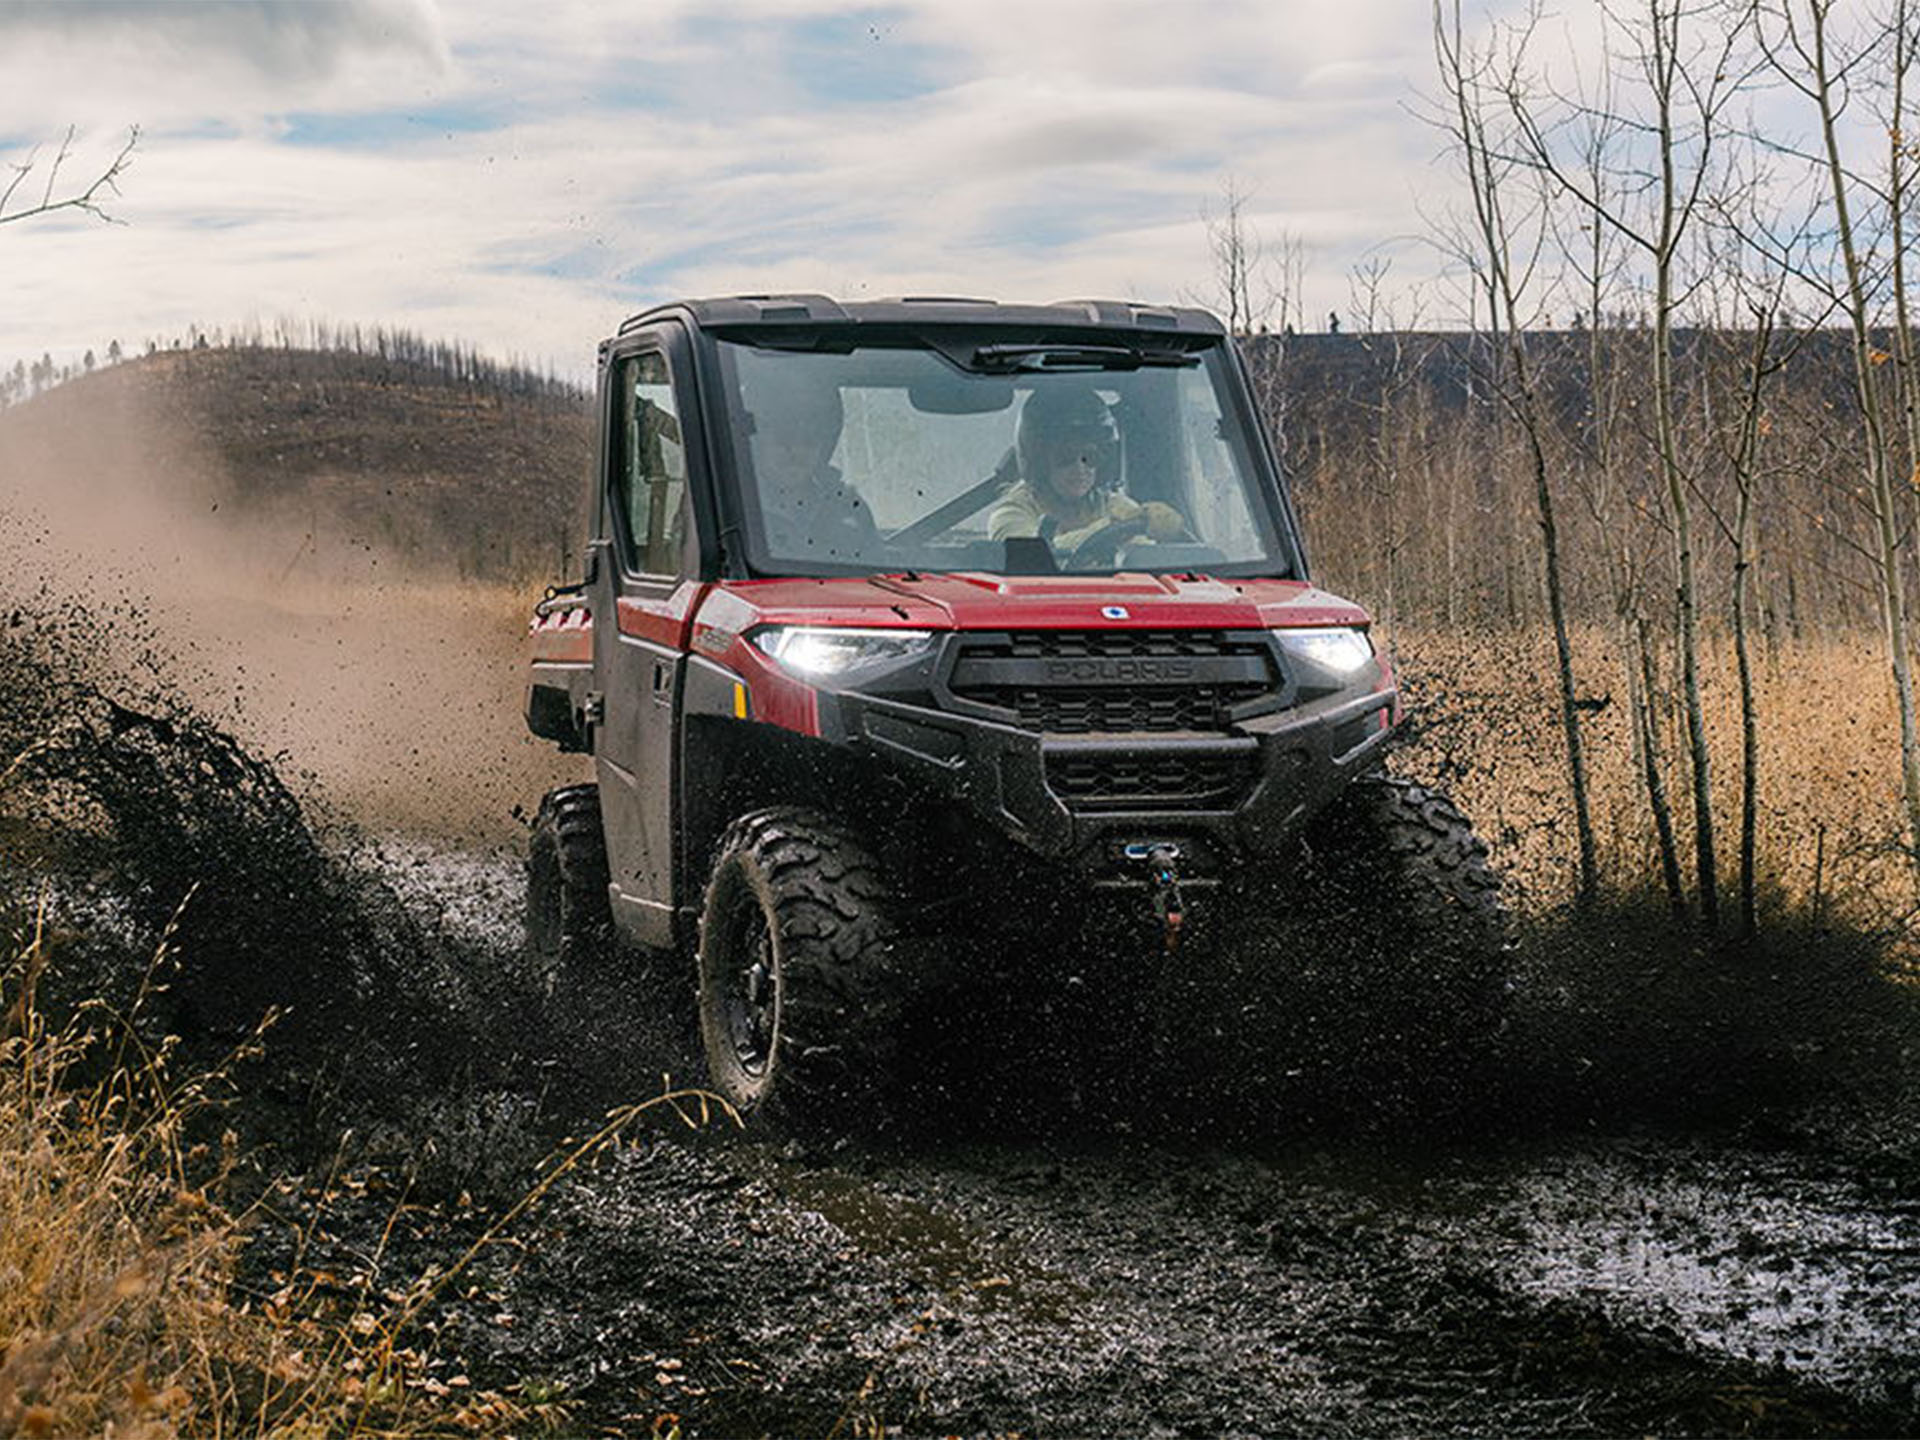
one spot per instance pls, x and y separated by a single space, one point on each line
1411 908
1362 973
797 964
569 919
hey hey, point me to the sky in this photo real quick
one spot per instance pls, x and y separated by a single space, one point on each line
520 177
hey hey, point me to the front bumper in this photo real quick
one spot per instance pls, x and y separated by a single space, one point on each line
1222 799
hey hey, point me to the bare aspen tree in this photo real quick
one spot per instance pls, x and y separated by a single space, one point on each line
1684 57
1394 371
1507 247
1748 286
1256 290
1900 39
1741 433
1594 256
35 186
1621 547
1746 458
1798 43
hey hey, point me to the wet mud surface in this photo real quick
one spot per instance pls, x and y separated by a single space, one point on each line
1645 1218
1078 1269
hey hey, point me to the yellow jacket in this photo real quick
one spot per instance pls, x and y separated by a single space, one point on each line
1021 511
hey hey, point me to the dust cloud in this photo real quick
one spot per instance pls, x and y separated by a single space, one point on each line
393 689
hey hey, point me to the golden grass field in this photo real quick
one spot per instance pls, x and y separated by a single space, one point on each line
1829 799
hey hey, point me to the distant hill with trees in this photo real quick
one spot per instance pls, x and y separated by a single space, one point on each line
377 441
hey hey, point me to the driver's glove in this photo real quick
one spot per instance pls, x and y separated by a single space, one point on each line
1163 522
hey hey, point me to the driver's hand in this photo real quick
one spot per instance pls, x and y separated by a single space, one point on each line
1162 522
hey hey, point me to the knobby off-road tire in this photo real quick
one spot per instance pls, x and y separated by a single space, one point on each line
798 965
569 919
1412 915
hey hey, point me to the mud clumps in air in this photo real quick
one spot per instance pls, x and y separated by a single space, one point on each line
135 821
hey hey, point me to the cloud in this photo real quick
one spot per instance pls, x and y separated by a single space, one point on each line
84 59
522 176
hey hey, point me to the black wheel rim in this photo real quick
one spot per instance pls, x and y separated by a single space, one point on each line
751 1006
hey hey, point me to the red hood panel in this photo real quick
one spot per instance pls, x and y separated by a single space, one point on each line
1026 602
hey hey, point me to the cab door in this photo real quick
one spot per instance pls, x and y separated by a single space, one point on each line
644 590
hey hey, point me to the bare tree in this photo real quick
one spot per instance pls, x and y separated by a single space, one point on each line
1797 40
1741 427
1256 285
1506 247
1684 56
29 193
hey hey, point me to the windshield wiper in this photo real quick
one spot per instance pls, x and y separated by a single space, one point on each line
1002 359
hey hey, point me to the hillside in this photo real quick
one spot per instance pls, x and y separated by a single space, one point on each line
349 454
1406 467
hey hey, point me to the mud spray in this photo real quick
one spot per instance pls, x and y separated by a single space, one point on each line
1681 1196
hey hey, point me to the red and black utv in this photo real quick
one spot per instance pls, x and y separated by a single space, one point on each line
939 612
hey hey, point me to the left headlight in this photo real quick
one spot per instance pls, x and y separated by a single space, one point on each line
814 653
1341 650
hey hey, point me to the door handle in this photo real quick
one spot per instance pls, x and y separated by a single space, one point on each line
662 682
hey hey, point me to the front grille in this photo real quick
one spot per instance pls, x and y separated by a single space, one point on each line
1088 712
1149 781
1083 682
1072 644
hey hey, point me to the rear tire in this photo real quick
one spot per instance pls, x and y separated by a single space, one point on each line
569 920
798 963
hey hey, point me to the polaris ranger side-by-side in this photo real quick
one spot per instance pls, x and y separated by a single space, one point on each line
910 613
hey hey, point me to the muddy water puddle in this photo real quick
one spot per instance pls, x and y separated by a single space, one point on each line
1773 1259
1583 1285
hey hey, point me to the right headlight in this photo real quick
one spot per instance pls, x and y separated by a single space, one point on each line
1342 650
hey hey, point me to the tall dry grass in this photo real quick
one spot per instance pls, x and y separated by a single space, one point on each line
120 1309
1829 821
114 1255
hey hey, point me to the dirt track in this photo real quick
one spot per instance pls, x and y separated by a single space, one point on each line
1062 1269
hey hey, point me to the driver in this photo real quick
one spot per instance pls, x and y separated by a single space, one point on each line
1067 451
808 509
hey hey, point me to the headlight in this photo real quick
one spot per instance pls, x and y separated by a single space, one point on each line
1342 651
814 654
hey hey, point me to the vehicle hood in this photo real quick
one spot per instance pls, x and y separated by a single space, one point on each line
970 601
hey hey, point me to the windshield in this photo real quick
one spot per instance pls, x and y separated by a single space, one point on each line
891 458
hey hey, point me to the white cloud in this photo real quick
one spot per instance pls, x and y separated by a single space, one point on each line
520 176
115 62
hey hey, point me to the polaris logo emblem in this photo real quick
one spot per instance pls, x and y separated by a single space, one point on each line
1117 672
1114 612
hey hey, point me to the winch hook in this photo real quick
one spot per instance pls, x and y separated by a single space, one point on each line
1164 861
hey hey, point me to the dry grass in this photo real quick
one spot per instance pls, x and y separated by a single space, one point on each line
119 1309
1829 813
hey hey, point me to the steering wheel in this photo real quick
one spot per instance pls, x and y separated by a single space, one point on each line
1101 550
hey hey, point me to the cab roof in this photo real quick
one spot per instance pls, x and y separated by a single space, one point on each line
775 312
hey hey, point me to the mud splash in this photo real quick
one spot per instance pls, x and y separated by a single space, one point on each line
136 828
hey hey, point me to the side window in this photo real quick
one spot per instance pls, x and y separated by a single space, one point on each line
650 485
1221 516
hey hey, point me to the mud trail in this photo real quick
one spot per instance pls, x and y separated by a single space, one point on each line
1041 1257
1097 1271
